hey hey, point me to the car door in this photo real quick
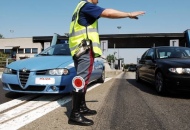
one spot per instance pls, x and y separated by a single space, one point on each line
141 66
93 74
150 65
96 71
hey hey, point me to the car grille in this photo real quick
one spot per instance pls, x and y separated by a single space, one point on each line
23 76
29 88
14 72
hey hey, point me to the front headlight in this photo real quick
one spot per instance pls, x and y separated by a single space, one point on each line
180 70
7 71
63 71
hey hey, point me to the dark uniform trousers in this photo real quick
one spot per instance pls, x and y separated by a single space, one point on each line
84 67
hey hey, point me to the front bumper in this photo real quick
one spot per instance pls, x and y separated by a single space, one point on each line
62 84
178 82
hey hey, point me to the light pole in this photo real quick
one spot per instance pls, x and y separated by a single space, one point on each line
12 31
114 58
119 27
114 55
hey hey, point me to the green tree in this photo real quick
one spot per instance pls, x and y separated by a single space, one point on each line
3 58
110 58
1 36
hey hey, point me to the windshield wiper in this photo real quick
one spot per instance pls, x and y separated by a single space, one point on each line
62 54
43 54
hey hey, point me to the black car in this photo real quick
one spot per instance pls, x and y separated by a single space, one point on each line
168 68
132 68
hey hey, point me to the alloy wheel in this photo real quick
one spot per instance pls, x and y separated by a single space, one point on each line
137 76
102 78
159 82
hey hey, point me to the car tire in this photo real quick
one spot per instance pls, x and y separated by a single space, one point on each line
102 78
138 79
160 83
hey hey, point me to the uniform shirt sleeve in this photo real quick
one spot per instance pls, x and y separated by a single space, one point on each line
89 13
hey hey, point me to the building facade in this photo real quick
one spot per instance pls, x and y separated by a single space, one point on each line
126 46
19 48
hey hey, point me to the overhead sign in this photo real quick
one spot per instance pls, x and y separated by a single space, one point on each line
174 42
104 45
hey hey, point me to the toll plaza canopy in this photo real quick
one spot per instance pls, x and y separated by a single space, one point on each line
145 40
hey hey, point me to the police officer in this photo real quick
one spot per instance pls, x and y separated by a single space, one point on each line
85 46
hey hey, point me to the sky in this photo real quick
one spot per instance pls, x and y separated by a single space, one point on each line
28 18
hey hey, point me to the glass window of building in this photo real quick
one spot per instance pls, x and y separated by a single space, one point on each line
20 51
27 50
7 51
34 50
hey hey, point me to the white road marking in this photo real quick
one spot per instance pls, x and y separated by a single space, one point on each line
29 106
21 114
15 102
27 118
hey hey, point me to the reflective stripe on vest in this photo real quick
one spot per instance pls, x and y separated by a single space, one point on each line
73 34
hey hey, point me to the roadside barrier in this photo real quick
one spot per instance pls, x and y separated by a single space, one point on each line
4 62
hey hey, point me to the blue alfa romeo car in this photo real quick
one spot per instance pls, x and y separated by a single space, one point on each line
50 71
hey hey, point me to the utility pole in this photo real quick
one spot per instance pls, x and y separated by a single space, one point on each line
119 28
114 55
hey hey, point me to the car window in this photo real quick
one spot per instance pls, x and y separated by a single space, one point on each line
187 52
150 53
143 56
58 49
163 53
173 52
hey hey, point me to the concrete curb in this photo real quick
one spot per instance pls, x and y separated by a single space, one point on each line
112 73
1 74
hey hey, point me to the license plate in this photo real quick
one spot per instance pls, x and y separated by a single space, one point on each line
44 81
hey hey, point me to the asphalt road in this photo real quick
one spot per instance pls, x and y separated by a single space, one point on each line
122 104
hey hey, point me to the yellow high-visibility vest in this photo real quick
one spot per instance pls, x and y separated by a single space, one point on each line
77 33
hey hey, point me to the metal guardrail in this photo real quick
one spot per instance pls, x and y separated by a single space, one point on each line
4 62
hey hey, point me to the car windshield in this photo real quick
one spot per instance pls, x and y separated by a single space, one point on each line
58 49
173 52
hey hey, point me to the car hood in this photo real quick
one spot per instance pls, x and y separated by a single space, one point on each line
42 63
177 62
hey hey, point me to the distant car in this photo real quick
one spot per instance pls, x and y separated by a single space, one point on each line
132 68
168 68
51 71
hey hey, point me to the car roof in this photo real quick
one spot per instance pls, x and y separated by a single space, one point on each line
169 47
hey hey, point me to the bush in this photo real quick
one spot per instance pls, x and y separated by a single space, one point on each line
3 58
